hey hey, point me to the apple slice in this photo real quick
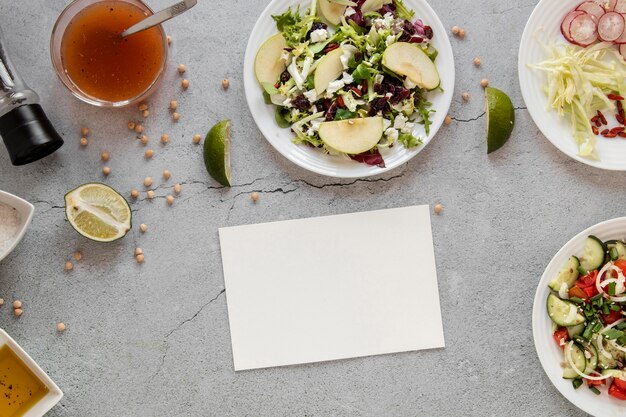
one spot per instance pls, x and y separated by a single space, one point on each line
407 59
353 136
332 12
373 5
267 65
328 70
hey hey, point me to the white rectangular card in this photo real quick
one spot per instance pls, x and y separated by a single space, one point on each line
332 287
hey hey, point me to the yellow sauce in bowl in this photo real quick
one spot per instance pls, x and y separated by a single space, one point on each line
20 388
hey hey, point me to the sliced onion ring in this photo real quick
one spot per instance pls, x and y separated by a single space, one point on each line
568 358
603 351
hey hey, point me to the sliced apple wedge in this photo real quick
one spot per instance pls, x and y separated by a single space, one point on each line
353 136
331 12
328 70
407 59
267 65
373 5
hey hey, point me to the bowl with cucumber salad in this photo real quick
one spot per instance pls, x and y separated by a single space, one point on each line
349 88
579 319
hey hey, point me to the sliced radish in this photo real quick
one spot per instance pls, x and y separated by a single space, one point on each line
611 26
593 8
621 39
620 6
622 50
583 30
567 21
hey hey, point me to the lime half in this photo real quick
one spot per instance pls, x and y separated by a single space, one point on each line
217 152
500 118
98 212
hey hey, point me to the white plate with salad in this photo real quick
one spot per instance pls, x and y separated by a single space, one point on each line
579 319
349 88
572 71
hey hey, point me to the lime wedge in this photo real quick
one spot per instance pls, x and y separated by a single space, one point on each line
217 152
500 118
98 212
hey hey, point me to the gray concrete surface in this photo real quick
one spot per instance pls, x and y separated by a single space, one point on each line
153 339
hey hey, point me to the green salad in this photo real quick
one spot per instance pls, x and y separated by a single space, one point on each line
350 77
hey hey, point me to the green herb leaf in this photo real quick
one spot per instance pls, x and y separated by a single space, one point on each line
613 334
409 141
343 114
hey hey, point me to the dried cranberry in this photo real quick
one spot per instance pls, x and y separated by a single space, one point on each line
285 76
400 95
379 89
388 8
357 17
378 105
358 56
428 32
301 103
415 39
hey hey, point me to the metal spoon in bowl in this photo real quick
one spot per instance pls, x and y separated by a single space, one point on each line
159 17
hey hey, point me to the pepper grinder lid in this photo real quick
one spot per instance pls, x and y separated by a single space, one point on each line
28 134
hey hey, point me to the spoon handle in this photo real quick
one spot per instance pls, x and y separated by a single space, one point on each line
160 17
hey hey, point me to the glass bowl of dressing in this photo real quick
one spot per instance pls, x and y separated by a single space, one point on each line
96 64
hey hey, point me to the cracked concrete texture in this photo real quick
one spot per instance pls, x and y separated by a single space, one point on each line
153 339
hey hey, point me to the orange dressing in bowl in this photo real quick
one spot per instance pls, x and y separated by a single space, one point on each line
105 66
20 388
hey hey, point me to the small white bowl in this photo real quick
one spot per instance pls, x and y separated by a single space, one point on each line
26 211
54 394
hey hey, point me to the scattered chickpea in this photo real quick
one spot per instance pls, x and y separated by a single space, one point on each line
170 200
139 259
197 139
17 304
1 301
78 255
143 227
185 83
254 196
143 107
18 312
60 327
84 131
131 125
134 193
181 68
448 120
105 156
484 83
225 84
477 62
438 208
139 128
456 30
176 116
147 182
138 251
106 171
149 153
144 140
167 174
466 96
165 138
145 114
83 142
169 40
173 104
150 194
462 33
177 188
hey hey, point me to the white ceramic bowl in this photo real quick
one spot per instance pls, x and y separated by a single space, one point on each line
549 353
25 210
54 394
314 159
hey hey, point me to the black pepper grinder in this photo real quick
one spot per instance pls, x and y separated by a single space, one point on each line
27 133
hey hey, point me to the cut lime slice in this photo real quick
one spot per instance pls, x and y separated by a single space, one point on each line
98 212
500 118
217 152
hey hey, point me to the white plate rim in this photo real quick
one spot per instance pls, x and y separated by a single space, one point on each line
565 143
596 405
353 169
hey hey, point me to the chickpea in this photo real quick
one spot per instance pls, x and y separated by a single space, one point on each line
181 68
466 96
131 125
177 188
456 30
225 84
185 83
139 128
144 140
170 200
143 227
60 327
173 105
461 33
254 196
147 181
84 131
484 83
78 255
18 312
150 194
17 304
83 142
448 120
167 175
169 40
134 193
106 171
105 156
196 139
139 259
477 62
176 116
1 301
438 208
149 153
165 138
143 107
138 251
145 114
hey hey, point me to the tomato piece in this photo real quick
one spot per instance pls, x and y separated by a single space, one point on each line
616 392
612 317
620 383
561 337
576 291
621 264
591 291
588 280
593 383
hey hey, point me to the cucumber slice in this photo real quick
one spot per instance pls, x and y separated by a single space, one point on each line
619 246
575 330
594 255
563 313
568 275
579 360
615 373
591 354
